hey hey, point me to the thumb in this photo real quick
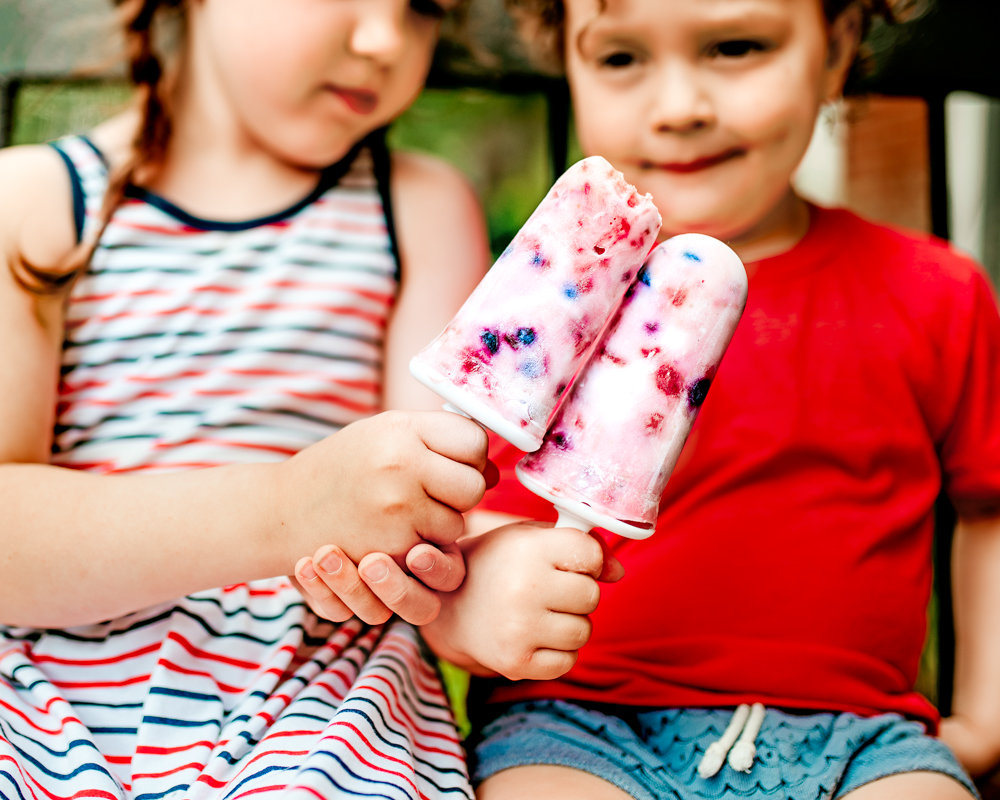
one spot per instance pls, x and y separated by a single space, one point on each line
439 568
612 571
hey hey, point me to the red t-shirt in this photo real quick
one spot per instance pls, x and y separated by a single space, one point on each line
792 559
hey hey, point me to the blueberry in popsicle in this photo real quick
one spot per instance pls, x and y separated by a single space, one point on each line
511 351
615 440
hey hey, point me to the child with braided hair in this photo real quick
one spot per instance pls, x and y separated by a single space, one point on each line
204 304
765 641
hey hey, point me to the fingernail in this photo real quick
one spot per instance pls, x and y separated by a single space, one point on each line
331 563
423 562
308 572
375 572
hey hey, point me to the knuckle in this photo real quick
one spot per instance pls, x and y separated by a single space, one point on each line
593 553
475 489
555 666
479 442
396 595
592 597
581 635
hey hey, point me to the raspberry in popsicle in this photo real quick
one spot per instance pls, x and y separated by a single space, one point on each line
615 440
511 351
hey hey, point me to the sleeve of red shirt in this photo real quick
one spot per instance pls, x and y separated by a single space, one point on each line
970 449
509 496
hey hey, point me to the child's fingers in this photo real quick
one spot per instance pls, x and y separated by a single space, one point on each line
453 436
567 632
547 665
317 594
437 522
400 593
440 569
341 577
612 570
571 593
452 483
575 551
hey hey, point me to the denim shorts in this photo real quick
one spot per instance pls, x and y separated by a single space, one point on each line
654 755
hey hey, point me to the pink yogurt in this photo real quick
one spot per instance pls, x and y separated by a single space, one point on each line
509 354
616 439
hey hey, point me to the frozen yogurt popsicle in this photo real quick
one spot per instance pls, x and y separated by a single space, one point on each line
615 440
515 345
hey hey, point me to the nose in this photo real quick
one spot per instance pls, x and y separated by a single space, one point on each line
682 103
379 29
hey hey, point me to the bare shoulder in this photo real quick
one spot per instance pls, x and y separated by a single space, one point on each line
423 185
36 204
439 221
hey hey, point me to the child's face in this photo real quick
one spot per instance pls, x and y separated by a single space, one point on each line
707 104
308 78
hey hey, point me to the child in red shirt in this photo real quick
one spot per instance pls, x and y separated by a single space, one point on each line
792 562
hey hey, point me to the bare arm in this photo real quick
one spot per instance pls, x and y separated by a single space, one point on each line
442 238
78 548
973 730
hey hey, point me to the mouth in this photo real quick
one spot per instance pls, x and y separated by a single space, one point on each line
360 101
697 165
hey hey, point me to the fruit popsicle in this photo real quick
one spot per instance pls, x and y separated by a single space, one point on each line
512 349
615 440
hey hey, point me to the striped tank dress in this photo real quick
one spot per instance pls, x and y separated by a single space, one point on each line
192 343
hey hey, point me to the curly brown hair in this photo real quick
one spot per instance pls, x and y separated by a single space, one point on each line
542 25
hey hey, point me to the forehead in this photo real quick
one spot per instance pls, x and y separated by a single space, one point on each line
587 12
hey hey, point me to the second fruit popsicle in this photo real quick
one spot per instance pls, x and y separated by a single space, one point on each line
613 444
515 345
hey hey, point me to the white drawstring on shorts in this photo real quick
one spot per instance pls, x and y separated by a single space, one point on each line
740 747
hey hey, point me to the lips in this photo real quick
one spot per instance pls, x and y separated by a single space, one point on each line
694 166
360 101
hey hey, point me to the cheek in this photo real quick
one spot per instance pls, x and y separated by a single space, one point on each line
777 120
604 118
265 58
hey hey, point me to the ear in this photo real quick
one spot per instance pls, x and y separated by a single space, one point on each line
843 40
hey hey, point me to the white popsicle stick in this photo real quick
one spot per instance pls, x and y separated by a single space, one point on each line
567 519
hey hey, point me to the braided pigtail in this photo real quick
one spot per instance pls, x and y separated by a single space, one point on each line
148 150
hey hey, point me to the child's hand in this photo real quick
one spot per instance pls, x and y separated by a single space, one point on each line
382 484
336 589
522 610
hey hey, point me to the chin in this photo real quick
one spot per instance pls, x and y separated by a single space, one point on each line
724 222
314 152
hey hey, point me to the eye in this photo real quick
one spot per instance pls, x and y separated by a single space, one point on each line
737 48
618 60
428 8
